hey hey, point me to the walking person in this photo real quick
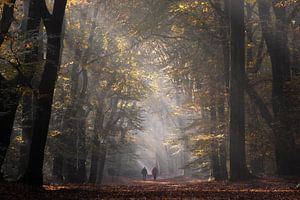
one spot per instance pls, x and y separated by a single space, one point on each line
144 173
154 173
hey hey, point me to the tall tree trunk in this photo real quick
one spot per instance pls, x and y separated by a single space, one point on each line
277 44
53 24
9 93
70 121
238 167
223 87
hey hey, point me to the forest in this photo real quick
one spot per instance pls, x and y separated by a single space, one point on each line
150 99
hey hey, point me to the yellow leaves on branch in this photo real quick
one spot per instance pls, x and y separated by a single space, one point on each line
206 137
54 133
203 6
7 2
122 44
78 2
285 3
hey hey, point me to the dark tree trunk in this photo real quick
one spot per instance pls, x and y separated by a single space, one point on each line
277 44
53 24
296 47
250 34
102 160
27 124
120 157
224 33
238 167
94 159
10 95
96 145
9 100
222 161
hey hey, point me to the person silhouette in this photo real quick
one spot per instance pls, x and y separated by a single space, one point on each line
144 173
154 172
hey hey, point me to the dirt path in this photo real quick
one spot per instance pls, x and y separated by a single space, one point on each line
262 189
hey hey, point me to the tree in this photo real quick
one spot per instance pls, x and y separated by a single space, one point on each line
11 90
238 167
276 39
54 29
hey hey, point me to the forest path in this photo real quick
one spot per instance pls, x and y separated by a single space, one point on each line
161 189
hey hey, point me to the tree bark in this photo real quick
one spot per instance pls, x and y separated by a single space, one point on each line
222 144
94 159
53 24
27 124
10 93
102 160
9 100
238 167
96 145
277 44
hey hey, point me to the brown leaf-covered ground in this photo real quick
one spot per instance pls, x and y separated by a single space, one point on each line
267 189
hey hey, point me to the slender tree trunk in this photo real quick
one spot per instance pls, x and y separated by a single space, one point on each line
222 145
70 121
250 34
296 47
96 145
238 167
94 159
214 156
102 161
120 156
81 160
27 124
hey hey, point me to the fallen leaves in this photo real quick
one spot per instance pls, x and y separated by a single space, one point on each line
163 189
